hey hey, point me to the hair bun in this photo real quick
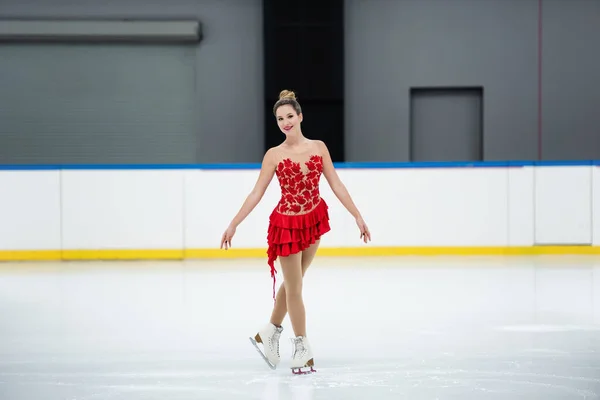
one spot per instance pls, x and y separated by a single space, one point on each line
287 94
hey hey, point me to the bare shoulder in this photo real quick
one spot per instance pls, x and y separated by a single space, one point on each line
273 151
270 156
322 148
319 145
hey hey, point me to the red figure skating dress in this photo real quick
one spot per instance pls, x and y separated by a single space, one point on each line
301 216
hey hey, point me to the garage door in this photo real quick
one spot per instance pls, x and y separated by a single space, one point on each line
97 103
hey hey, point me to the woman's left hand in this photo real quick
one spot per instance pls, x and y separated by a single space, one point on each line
365 235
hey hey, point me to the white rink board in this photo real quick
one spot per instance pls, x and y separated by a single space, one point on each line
30 216
405 207
122 209
596 204
563 205
521 206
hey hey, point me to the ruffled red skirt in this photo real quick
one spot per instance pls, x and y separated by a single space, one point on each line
291 234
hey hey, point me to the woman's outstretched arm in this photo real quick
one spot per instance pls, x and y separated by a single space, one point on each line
341 192
265 177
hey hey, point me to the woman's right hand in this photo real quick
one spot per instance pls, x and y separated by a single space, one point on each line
227 236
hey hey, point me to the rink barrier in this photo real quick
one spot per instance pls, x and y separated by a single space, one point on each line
253 244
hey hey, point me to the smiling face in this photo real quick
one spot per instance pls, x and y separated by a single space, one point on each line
288 120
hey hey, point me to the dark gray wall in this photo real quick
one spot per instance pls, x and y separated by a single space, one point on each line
228 81
571 79
392 46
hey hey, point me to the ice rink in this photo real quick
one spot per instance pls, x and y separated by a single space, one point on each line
382 328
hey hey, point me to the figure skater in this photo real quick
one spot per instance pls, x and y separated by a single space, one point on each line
296 225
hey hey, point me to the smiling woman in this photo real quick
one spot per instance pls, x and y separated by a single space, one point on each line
296 225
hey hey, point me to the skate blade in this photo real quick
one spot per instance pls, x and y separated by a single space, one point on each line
300 371
269 363
310 364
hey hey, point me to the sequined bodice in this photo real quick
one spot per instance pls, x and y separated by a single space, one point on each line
299 185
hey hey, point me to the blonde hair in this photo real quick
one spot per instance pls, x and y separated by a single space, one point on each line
287 97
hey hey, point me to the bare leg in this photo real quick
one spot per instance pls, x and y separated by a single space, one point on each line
308 256
280 309
289 297
291 266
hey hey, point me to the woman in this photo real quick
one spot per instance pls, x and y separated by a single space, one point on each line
295 225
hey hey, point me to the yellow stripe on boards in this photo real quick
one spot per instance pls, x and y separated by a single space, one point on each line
30 255
369 251
458 251
363 251
229 253
122 254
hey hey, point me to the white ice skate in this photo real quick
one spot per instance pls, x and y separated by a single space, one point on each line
302 357
269 338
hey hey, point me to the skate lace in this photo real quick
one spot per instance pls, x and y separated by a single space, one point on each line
299 347
275 341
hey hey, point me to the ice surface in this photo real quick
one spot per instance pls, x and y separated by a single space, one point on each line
381 328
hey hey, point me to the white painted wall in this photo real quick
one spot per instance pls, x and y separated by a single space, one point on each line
179 209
